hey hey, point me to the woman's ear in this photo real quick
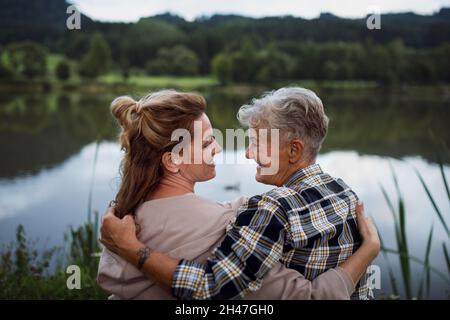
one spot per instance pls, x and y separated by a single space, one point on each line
169 163
296 150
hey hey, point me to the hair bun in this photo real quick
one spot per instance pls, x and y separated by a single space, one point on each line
122 109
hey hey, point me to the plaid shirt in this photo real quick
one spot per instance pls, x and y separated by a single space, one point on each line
308 224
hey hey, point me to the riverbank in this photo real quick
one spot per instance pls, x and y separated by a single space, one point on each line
141 84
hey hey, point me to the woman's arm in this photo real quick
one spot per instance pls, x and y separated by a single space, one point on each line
121 239
357 264
335 284
282 283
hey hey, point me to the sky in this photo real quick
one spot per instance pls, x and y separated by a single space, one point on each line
132 10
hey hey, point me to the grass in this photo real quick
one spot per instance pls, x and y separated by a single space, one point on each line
332 84
29 273
135 80
399 217
52 62
115 78
161 81
400 235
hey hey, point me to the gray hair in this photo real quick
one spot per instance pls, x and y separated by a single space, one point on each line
297 112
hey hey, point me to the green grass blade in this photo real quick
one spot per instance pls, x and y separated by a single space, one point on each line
91 186
389 202
426 269
402 237
421 262
394 177
95 244
394 216
406 270
447 259
444 179
392 279
436 208
427 260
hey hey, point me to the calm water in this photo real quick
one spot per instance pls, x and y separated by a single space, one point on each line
48 146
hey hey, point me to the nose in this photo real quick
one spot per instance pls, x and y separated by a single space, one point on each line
249 153
217 148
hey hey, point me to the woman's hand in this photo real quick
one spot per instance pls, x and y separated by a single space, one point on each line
368 231
357 264
119 235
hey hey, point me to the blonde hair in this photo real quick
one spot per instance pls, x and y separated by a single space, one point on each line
146 130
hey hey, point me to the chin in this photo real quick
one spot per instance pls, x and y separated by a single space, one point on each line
262 178
210 176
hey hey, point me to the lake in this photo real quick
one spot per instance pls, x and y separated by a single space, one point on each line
48 145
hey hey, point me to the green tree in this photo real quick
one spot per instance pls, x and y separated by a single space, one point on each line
222 67
62 70
177 61
274 65
250 65
97 60
245 63
144 39
330 70
124 66
5 72
27 59
439 58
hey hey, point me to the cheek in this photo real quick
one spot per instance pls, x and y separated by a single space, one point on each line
266 154
205 172
187 170
280 157
206 155
196 154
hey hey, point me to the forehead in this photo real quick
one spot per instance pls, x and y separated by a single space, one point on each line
255 132
205 124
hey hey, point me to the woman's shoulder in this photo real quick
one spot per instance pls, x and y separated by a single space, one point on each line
187 204
178 201
171 220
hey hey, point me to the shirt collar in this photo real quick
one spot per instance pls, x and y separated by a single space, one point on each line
303 174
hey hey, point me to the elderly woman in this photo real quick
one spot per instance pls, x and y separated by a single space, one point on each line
300 240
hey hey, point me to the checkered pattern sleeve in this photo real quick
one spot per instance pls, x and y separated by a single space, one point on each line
250 249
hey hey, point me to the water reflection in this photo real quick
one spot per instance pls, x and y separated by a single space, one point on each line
42 130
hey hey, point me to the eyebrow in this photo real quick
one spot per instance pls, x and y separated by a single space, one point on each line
207 141
208 137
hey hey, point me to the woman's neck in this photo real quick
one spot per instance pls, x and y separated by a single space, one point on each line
172 186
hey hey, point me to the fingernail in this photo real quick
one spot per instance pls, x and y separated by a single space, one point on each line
360 202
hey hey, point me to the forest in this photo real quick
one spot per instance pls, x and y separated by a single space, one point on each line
409 48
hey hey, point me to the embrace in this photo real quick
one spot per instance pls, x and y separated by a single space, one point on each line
307 238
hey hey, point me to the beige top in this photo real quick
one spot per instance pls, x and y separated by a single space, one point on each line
190 227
